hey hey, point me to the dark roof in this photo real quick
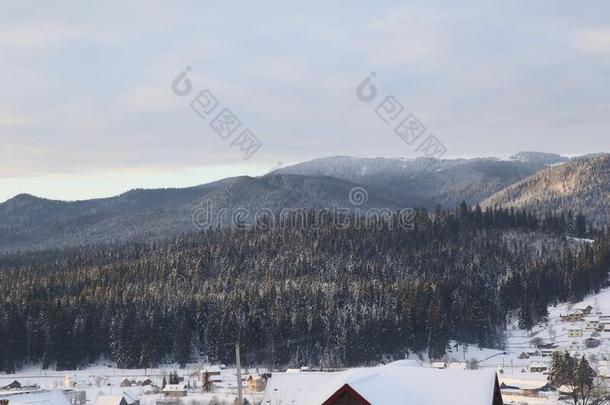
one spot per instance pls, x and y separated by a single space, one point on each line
14 384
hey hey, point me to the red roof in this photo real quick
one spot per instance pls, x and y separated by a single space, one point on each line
346 391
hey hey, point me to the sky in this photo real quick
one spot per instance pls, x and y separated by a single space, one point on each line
88 108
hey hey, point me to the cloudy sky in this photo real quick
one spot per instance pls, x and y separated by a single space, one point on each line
87 107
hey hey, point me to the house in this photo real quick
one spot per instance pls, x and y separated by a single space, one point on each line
536 367
256 383
125 383
573 317
36 397
575 346
532 353
592 323
174 390
591 343
532 383
12 386
211 370
585 310
574 332
458 365
534 391
150 389
402 382
603 369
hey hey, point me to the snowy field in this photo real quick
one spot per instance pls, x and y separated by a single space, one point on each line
100 379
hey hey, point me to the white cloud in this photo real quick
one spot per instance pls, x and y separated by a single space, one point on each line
595 40
12 120
151 98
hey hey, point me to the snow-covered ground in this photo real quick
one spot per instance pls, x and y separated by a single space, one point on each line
100 379
515 371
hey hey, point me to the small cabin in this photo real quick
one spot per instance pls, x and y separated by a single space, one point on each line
174 390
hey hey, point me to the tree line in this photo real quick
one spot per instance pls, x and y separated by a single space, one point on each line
318 296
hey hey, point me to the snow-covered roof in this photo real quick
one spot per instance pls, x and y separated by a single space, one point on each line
174 387
108 400
603 371
389 384
538 364
458 365
523 381
211 369
41 397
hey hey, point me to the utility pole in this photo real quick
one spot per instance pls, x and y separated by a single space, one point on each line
238 371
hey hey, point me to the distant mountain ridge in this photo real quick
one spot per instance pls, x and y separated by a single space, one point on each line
31 223
428 182
28 222
539 158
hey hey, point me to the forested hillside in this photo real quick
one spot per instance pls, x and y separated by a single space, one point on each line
582 185
293 296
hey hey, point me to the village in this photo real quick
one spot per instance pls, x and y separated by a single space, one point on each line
516 375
